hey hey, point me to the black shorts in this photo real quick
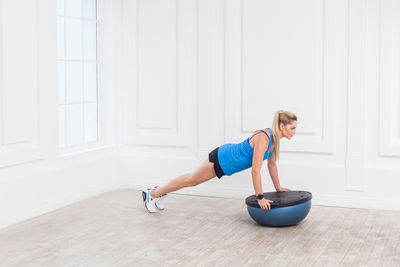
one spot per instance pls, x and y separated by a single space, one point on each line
213 157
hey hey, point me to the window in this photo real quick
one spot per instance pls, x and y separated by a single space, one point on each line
77 73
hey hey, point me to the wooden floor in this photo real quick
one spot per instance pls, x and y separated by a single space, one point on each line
113 229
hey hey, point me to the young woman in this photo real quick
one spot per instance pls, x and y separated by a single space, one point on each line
232 158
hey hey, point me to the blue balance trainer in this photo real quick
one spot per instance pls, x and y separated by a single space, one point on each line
288 208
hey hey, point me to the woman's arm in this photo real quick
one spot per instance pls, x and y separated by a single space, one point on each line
260 147
273 172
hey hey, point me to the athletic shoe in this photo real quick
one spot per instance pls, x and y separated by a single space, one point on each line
159 202
148 201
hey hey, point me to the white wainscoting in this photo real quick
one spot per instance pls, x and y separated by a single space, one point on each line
247 59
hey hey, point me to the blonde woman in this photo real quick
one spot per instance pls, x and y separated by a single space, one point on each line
232 158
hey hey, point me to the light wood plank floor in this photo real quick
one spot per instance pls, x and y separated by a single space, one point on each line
113 229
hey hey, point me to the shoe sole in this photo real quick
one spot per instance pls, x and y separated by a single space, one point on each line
157 206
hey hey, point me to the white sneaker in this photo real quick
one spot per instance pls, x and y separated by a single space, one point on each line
148 201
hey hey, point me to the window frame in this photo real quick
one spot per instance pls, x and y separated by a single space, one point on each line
100 142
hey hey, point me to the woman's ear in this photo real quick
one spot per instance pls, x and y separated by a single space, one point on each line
281 126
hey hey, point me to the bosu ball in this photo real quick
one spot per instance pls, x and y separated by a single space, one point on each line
288 208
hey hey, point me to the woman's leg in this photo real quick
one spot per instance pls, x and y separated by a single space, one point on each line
203 173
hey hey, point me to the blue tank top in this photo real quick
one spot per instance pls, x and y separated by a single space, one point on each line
238 157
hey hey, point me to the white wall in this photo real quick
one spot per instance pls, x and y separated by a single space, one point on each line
197 74
34 177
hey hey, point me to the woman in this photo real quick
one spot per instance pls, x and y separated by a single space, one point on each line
231 158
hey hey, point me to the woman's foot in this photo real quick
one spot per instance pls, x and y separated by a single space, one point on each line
152 203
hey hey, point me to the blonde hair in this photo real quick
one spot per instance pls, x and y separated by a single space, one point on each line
286 118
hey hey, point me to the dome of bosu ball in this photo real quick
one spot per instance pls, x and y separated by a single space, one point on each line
288 208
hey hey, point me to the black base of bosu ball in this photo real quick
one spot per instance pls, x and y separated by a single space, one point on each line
288 208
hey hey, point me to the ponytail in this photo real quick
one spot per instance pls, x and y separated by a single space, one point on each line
286 118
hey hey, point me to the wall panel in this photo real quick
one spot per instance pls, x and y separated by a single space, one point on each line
23 121
283 61
160 83
157 65
19 59
389 87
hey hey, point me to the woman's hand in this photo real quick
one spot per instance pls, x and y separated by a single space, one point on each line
264 203
282 189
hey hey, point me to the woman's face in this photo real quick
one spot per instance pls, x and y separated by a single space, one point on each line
288 130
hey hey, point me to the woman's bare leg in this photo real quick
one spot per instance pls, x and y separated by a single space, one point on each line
203 173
